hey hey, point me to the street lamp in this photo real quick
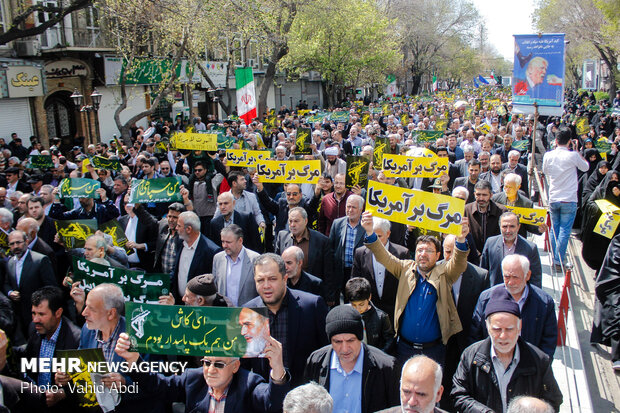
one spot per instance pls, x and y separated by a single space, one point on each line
95 98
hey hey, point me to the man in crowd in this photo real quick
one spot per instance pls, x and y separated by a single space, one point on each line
194 255
536 307
503 366
420 387
507 243
26 272
346 235
318 257
228 215
333 205
299 279
296 318
424 293
360 378
102 209
560 167
167 240
233 268
471 180
483 214
494 175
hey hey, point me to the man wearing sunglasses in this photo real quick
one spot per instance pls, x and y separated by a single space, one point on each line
221 385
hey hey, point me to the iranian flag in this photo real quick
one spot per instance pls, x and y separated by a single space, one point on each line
434 83
246 94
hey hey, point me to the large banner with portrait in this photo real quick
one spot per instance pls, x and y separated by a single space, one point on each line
197 331
538 74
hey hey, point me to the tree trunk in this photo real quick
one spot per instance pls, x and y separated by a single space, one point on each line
416 79
277 55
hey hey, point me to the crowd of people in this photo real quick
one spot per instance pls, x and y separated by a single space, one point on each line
365 314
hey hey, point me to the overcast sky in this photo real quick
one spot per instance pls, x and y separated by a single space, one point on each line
503 19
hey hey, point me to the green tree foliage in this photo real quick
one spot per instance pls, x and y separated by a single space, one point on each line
348 41
591 22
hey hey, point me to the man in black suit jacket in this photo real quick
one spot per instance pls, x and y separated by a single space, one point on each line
495 250
304 331
470 181
297 278
246 221
513 166
62 334
292 197
144 236
36 244
195 254
465 291
318 257
364 265
27 271
341 229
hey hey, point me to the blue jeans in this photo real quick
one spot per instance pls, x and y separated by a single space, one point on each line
562 218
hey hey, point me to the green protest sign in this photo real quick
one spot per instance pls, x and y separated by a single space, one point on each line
303 140
382 145
99 162
582 124
197 331
357 171
119 146
137 285
339 116
41 162
319 117
156 190
603 145
74 233
82 380
521 145
427 135
225 142
79 188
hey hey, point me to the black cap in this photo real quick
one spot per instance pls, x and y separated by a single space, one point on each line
76 148
344 319
501 302
202 285
11 170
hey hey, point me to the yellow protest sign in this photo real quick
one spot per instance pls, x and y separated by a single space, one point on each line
530 216
386 109
302 112
441 124
421 209
240 157
85 164
419 167
404 119
300 172
365 119
483 128
194 141
582 125
608 222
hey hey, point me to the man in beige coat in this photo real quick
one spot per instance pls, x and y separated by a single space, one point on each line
425 315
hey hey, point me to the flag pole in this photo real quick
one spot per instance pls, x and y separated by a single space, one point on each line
533 150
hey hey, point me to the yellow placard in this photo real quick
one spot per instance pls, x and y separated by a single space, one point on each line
484 128
530 216
300 172
436 212
417 167
194 141
606 206
303 112
240 157
85 164
608 222
386 109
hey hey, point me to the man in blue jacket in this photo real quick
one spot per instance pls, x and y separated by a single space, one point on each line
540 326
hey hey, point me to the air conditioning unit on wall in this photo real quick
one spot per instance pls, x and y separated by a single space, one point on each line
27 48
